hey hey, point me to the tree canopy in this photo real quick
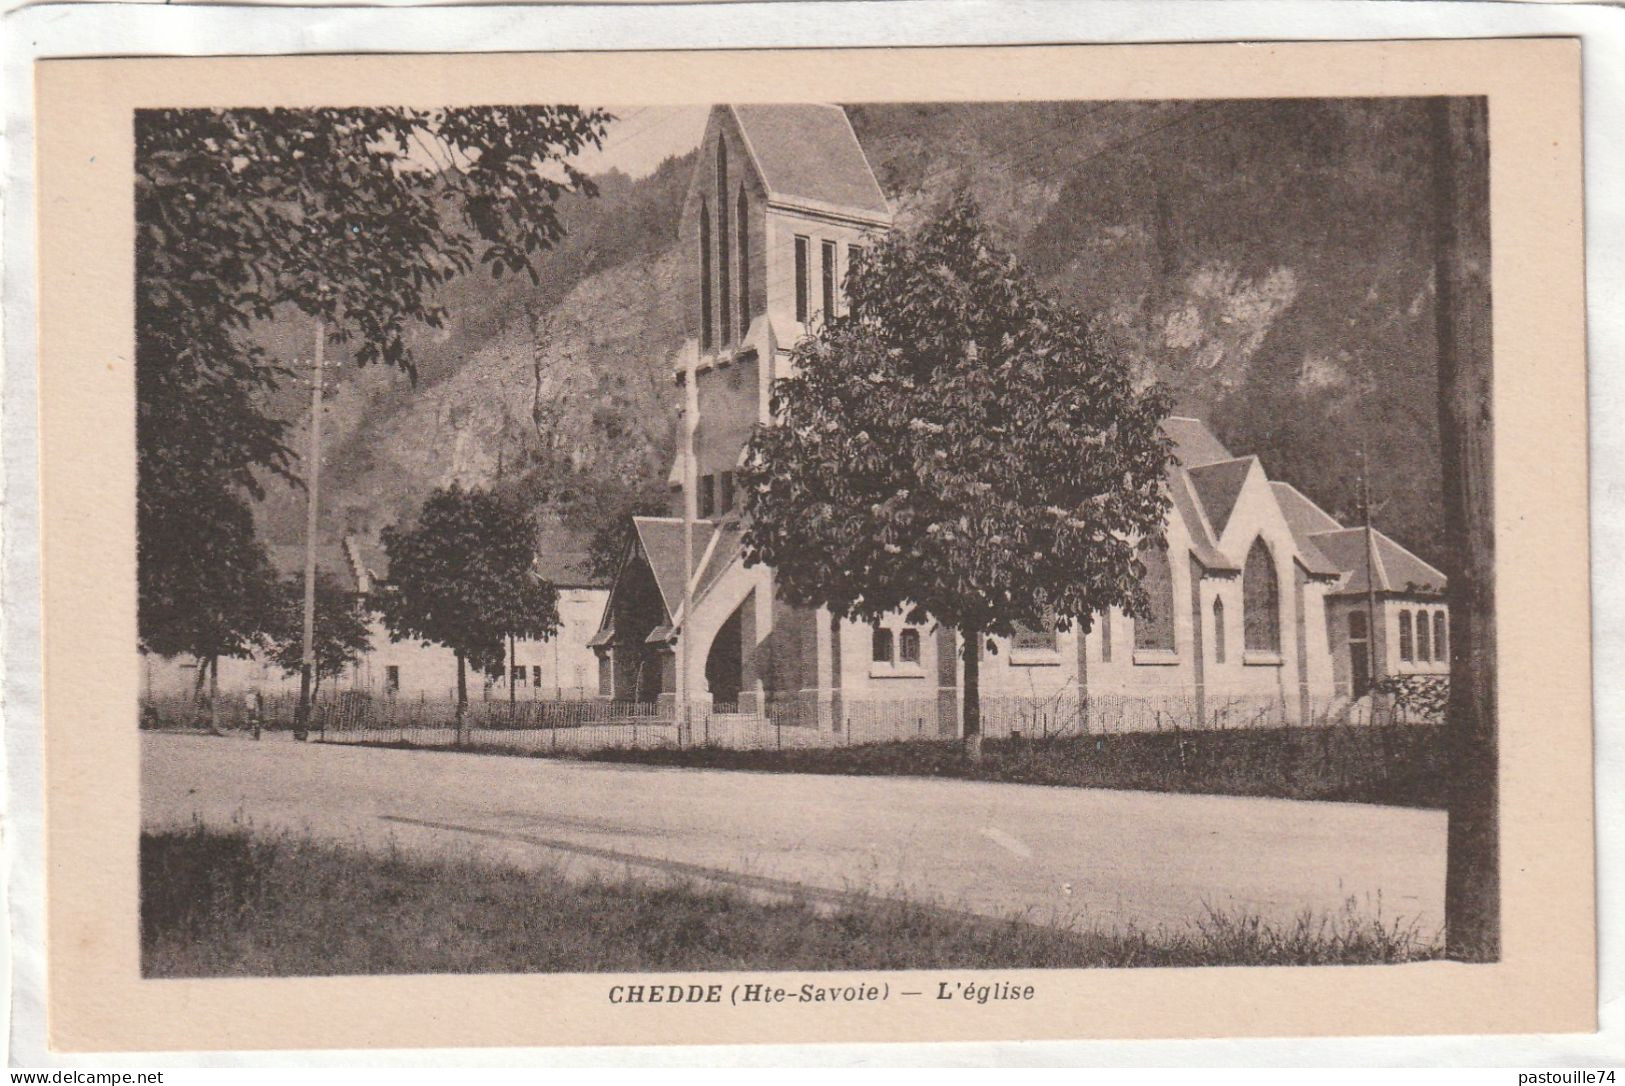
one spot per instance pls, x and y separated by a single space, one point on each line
342 633
464 576
352 216
959 446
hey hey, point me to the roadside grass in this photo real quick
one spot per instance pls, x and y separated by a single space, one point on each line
1399 764
226 902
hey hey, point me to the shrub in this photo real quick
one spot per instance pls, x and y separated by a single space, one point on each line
1417 697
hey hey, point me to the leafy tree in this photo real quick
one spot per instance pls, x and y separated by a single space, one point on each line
342 633
213 603
464 577
959 446
608 521
352 216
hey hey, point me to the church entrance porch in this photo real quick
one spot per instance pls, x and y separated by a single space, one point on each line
724 664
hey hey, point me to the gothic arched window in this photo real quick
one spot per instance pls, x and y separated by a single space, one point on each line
1424 646
1218 630
1155 629
724 246
705 275
743 219
1260 601
1406 653
1440 644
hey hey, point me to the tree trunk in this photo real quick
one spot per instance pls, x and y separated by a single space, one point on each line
214 694
1461 206
970 654
462 698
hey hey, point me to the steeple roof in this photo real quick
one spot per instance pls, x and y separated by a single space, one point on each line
809 154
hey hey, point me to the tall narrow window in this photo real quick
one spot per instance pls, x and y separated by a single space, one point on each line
743 222
1106 636
1406 652
803 272
1424 638
880 649
1218 630
705 275
829 280
1260 602
708 496
392 679
1155 629
725 493
1441 647
724 248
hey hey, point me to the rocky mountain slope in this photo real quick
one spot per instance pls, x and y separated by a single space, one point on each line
1269 261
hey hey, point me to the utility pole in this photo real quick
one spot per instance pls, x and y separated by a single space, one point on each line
1461 182
691 421
1370 578
313 477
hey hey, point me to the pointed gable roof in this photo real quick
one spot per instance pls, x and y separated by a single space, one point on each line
1194 443
1304 519
809 154
1303 516
661 539
1393 568
1218 485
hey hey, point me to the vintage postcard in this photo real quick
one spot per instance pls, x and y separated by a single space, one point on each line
940 544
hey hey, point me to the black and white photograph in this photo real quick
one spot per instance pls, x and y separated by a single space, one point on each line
857 467
949 545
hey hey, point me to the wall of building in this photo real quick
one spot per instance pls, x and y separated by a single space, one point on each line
564 664
1394 662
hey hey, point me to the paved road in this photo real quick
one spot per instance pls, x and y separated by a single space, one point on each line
1052 854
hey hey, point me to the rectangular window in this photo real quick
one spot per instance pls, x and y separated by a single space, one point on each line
606 676
519 675
802 276
908 646
536 675
829 280
1106 637
881 646
392 679
1028 640
725 493
708 497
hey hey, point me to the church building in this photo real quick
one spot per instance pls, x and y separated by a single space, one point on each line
1262 604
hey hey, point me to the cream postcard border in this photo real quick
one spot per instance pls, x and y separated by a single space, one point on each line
1546 981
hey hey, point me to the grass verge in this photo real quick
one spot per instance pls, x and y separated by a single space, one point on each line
228 903
1399 765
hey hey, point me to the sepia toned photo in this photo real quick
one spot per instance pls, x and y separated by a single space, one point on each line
864 549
